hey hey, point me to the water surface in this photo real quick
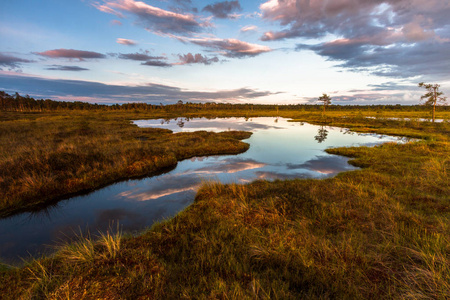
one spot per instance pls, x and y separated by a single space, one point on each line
408 119
278 150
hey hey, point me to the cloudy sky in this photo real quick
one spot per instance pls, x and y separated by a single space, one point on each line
277 51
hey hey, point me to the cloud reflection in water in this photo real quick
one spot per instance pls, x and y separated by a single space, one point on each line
230 165
163 186
328 165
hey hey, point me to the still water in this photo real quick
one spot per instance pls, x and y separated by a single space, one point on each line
278 150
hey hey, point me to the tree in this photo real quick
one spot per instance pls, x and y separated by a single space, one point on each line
326 100
433 95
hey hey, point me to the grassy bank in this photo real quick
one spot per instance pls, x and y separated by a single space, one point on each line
407 127
379 232
44 156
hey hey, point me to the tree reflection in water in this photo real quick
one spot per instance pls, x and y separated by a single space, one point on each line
322 134
180 123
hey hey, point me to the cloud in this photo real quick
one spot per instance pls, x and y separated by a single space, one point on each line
231 47
159 61
388 93
139 56
224 9
65 68
126 42
12 62
60 89
148 60
71 53
352 19
155 19
249 28
105 8
190 58
391 86
183 2
116 22
397 38
429 60
182 6
156 63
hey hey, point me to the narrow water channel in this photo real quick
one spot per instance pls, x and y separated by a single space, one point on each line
278 150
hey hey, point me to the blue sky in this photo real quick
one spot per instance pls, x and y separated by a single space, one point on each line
162 51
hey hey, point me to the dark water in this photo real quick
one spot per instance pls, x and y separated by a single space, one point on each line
278 150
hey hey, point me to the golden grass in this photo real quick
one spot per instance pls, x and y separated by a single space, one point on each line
382 232
45 157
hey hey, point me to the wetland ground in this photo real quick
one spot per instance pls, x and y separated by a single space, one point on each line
379 232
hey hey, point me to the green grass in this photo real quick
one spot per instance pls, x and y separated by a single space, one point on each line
382 232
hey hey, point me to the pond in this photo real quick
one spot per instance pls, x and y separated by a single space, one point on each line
278 150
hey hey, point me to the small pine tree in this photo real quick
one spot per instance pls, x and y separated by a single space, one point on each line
432 96
326 100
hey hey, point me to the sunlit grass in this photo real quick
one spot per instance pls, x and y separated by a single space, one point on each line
46 157
382 232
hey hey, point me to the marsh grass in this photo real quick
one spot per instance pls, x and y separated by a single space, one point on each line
79 250
46 157
111 242
382 232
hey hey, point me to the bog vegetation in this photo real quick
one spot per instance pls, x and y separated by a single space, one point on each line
379 232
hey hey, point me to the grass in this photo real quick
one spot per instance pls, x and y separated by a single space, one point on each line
46 157
381 232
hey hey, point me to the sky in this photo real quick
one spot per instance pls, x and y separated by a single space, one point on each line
263 52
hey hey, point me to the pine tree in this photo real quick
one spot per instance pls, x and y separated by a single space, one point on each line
432 96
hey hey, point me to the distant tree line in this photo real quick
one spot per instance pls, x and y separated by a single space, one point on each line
29 104
19 103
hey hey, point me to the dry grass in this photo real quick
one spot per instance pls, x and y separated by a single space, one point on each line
382 232
44 158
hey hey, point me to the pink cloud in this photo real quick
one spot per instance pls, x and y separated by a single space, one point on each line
71 53
126 42
107 9
116 22
418 30
155 19
249 28
231 47
196 59
352 19
400 38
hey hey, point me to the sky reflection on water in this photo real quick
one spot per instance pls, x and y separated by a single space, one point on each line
278 150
